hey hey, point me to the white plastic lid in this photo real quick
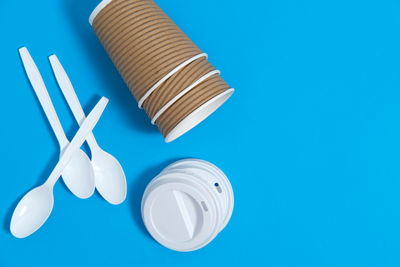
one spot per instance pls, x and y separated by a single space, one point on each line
179 216
181 212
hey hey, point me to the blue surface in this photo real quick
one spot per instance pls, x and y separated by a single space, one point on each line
310 140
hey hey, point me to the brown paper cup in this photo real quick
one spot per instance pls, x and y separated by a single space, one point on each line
166 72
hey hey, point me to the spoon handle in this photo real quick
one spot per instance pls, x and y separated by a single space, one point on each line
70 95
87 126
39 87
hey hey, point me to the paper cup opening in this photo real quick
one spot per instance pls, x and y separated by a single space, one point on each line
198 115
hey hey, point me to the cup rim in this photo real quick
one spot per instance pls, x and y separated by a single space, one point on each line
198 115
97 10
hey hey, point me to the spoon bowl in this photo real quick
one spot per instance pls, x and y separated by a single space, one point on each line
78 175
35 207
110 177
32 211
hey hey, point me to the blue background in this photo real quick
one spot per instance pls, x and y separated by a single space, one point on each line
310 140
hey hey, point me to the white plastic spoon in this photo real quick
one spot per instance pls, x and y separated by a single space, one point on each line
35 207
109 176
78 175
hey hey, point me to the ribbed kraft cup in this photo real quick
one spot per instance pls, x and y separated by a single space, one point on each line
146 46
